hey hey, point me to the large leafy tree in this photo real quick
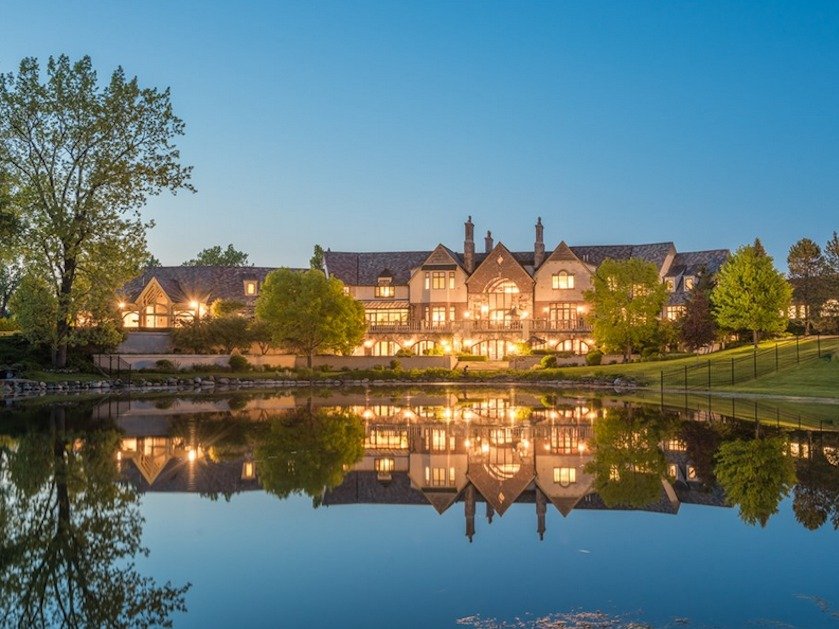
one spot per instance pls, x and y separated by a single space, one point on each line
755 475
751 294
626 301
628 465
307 450
307 312
806 272
69 533
81 160
216 256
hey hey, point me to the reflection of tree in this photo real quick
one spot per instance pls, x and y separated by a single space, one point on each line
628 464
70 532
308 450
816 496
755 475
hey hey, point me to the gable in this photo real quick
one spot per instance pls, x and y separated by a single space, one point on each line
498 264
441 256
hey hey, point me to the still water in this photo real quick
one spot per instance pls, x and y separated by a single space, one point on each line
495 509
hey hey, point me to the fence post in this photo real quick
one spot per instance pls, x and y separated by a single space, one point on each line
110 364
754 363
819 345
662 386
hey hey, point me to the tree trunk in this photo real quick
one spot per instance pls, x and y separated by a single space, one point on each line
755 337
309 360
63 327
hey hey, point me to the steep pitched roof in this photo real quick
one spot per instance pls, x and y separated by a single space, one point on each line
363 269
204 283
692 262
652 252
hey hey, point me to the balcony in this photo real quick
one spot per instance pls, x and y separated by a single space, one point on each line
560 325
481 325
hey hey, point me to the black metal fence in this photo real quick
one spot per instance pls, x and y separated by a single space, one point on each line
113 365
706 375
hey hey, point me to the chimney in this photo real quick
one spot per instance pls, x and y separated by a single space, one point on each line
488 242
539 245
469 246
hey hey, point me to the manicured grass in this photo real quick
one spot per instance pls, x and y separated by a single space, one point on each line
819 378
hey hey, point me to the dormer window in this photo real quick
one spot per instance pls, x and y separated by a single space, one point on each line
688 282
670 283
251 288
385 287
562 280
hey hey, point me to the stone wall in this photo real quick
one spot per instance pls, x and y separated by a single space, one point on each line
283 361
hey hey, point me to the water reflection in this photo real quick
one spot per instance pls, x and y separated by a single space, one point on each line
488 451
70 529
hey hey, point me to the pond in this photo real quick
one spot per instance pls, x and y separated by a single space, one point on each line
421 508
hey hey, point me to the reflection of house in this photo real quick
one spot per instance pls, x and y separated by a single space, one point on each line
163 297
486 302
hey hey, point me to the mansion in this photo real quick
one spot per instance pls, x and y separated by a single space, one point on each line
438 301
488 302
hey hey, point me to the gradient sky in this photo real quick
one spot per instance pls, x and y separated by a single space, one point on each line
372 126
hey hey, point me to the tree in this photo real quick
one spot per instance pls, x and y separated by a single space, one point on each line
11 274
308 313
751 294
308 450
816 495
228 332
82 160
70 532
697 328
806 272
831 255
316 262
628 465
216 256
755 475
151 261
626 300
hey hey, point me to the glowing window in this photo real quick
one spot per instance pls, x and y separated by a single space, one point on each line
562 280
565 475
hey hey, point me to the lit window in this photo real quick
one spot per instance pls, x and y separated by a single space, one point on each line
427 281
670 283
438 280
451 279
673 313
562 280
384 466
565 475
691 472
438 314
248 470
688 282
438 440
385 290
675 445
250 288
672 470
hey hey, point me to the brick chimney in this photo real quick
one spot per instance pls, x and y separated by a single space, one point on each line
488 242
539 245
469 246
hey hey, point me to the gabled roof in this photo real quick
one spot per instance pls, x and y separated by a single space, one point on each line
364 269
204 283
442 255
654 252
441 499
490 259
500 493
693 262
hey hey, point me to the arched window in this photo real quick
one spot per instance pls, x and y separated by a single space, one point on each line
562 280
384 348
501 297
423 348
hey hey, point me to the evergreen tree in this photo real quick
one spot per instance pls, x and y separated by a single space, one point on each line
751 294
807 274
216 256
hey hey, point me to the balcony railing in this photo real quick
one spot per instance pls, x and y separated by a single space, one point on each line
481 325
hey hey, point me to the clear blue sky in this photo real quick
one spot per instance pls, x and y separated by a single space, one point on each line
371 126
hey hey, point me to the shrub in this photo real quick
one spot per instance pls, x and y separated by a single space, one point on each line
165 365
239 363
8 324
477 358
594 358
548 362
404 353
395 365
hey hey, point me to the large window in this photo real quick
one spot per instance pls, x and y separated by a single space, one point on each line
385 290
562 280
395 316
565 475
563 311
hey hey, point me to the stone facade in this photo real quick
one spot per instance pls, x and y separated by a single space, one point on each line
491 302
